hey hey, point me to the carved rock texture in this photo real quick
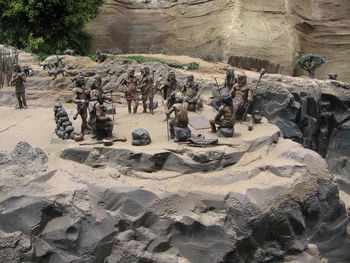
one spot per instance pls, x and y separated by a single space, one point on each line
312 112
278 203
276 30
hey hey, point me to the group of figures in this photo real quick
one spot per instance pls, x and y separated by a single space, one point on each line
229 100
92 101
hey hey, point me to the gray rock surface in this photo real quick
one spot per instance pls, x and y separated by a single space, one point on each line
276 202
225 132
181 134
295 105
140 137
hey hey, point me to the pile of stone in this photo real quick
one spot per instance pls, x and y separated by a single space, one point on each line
64 129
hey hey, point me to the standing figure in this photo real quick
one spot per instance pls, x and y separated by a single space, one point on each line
146 86
169 88
191 89
230 78
131 93
181 114
241 93
81 98
18 79
225 118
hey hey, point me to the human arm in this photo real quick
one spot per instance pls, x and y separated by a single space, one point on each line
100 114
219 114
76 98
170 111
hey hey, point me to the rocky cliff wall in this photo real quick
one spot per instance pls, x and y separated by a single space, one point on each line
277 30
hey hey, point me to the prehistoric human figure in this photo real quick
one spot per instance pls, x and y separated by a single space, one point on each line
96 87
190 90
18 79
131 93
230 78
81 97
169 88
240 93
180 107
146 86
324 124
225 118
102 125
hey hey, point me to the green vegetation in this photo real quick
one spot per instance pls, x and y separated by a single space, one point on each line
49 26
310 63
141 59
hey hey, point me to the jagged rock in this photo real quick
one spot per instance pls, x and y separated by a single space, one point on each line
267 200
225 132
140 137
182 134
24 160
14 247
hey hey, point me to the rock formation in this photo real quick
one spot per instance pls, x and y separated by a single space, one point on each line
279 31
267 199
312 112
276 202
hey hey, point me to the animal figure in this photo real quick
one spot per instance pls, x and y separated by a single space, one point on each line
101 56
57 72
70 52
57 62
46 65
27 69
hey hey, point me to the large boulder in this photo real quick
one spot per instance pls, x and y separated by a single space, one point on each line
140 137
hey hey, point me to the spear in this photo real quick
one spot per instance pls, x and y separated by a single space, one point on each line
262 72
110 85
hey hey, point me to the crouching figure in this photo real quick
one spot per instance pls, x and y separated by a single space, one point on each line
178 126
225 118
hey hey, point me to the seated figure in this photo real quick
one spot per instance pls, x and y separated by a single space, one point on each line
179 125
191 91
102 124
225 118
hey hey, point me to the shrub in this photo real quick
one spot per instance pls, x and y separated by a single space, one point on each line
47 26
310 63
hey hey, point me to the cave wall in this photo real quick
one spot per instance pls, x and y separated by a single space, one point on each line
276 30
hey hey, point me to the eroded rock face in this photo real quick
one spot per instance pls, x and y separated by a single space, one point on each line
312 112
279 31
277 203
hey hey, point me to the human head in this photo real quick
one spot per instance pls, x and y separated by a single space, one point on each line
94 95
131 72
145 71
171 76
17 68
179 97
230 72
190 79
79 80
97 79
242 79
226 99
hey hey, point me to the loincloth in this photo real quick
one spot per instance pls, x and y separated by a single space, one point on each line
132 96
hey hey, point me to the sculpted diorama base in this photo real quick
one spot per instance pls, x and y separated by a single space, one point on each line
258 198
